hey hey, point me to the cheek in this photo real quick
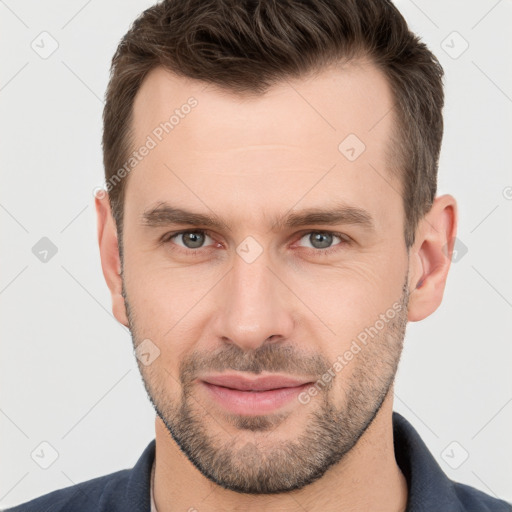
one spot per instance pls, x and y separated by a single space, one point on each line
352 299
153 312
163 293
168 308
358 289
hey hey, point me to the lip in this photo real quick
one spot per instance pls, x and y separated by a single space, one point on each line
263 395
264 383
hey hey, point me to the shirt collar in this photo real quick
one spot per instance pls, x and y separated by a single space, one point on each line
152 480
428 486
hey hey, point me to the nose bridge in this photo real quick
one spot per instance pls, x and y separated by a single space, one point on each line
253 305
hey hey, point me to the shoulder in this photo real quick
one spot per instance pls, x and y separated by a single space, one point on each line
429 487
473 500
127 489
85 496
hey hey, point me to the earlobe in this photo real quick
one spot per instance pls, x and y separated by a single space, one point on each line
109 255
431 257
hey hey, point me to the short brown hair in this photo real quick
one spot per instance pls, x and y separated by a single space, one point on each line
245 46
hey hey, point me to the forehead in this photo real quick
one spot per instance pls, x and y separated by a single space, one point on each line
347 98
257 149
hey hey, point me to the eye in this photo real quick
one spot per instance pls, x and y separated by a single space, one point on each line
188 239
322 241
319 242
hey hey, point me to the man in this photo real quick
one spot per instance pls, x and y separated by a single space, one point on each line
271 225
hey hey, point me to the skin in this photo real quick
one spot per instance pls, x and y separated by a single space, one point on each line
293 310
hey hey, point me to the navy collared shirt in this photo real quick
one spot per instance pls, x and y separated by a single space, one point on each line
430 490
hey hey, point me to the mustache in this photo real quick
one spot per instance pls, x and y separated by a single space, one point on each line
271 358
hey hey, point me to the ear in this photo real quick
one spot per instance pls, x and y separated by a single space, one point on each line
431 255
109 253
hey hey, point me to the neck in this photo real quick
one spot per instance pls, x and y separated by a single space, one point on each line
367 478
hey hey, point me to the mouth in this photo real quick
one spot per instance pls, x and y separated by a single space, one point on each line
263 395
264 383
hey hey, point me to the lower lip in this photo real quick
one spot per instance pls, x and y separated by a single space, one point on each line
252 402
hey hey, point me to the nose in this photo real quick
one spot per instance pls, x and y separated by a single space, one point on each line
253 305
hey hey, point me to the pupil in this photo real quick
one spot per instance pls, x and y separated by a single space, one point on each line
193 240
320 240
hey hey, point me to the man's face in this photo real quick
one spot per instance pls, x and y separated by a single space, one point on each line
255 295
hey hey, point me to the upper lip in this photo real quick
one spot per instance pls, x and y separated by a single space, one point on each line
256 384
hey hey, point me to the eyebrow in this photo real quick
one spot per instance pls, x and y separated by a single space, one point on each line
165 214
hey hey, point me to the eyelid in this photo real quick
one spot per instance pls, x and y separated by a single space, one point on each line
345 239
338 234
167 237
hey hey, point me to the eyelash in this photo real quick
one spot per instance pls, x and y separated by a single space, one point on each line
345 240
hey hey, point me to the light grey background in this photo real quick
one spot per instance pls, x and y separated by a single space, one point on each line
67 372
